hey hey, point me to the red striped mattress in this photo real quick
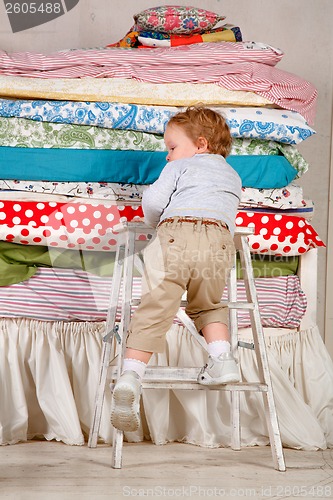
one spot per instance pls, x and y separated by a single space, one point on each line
75 295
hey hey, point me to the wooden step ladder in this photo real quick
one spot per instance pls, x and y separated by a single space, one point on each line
127 259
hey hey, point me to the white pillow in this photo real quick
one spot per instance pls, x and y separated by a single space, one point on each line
288 127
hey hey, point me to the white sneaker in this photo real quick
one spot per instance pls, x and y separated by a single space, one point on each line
125 405
221 370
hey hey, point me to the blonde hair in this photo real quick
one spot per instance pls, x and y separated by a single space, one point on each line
199 121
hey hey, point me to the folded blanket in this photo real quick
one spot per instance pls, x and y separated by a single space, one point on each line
137 167
18 132
132 39
287 127
288 197
20 262
225 33
71 295
152 87
78 63
125 90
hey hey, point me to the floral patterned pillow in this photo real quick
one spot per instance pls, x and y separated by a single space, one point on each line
176 19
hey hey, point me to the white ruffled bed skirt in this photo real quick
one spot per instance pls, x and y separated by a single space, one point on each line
49 373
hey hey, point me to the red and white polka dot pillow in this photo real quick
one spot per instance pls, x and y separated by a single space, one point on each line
90 226
279 234
87 226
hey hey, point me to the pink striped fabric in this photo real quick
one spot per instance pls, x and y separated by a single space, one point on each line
235 66
185 56
75 295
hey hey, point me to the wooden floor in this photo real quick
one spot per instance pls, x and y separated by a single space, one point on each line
50 470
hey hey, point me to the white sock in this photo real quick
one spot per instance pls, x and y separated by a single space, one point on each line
135 365
216 347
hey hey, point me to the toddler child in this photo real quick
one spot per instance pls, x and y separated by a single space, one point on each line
193 205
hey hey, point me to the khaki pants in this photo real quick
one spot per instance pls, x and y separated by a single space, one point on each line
182 256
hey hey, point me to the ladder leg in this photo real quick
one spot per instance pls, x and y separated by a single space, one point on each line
235 421
118 435
261 356
107 348
117 448
96 422
233 328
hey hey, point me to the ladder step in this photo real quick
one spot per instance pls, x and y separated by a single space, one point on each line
231 305
241 305
180 385
136 302
169 377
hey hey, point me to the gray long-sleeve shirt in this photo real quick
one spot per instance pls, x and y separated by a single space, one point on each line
204 185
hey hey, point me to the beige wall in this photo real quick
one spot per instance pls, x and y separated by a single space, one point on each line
301 28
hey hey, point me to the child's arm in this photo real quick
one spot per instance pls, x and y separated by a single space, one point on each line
157 196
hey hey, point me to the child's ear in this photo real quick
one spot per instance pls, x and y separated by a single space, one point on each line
202 144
